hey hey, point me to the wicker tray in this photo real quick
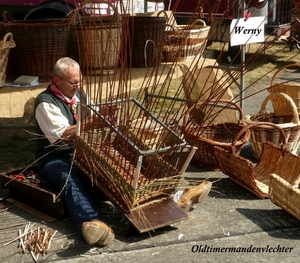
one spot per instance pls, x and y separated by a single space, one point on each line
185 42
292 89
217 134
5 45
289 124
126 169
39 44
285 193
274 159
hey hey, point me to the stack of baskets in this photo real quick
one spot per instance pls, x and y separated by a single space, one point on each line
39 44
5 45
205 138
185 42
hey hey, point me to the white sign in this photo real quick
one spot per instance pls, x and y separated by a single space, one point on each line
249 31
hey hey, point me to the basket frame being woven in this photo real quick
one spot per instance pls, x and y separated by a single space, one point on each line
266 133
274 159
200 137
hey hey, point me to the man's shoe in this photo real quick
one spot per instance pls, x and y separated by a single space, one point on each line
97 232
194 195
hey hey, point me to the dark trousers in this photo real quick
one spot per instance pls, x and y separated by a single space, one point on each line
61 173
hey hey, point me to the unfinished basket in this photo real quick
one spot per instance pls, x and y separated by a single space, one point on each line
5 45
289 123
285 193
126 169
39 44
216 134
274 159
291 88
185 42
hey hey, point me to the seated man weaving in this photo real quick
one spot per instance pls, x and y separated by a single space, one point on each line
55 114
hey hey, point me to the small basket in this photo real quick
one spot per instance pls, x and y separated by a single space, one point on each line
39 44
146 40
217 134
289 124
185 42
274 159
5 45
285 193
292 89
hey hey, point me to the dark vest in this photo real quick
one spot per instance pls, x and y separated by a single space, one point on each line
59 148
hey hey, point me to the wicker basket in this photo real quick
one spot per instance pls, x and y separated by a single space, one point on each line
39 44
217 134
127 170
285 193
5 45
146 40
99 40
185 42
292 89
274 159
289 123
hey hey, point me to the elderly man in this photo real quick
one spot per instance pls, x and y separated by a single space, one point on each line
55 114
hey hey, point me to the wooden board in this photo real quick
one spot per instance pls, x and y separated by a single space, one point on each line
157 215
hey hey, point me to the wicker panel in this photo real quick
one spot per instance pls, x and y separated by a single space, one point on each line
285 193
39 44
5 45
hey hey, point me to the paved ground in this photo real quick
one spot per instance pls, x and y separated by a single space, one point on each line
231 225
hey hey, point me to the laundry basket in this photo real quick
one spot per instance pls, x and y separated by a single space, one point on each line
5 45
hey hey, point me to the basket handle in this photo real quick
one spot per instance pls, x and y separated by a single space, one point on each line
199 22
288 99
8 41
238 108
282 68
264 124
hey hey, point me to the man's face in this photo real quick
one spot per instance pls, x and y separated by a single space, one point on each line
70 83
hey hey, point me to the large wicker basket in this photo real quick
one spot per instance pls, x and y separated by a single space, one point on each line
146 40
256 178
285 193
99 40
185 42
121 163
39 44
216 134
289 123
291 88
5 45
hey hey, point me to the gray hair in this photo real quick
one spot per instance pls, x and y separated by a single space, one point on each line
63 64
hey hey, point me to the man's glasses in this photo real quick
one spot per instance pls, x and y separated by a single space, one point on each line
73 85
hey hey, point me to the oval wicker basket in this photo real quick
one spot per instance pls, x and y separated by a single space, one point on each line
289 123
216 134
